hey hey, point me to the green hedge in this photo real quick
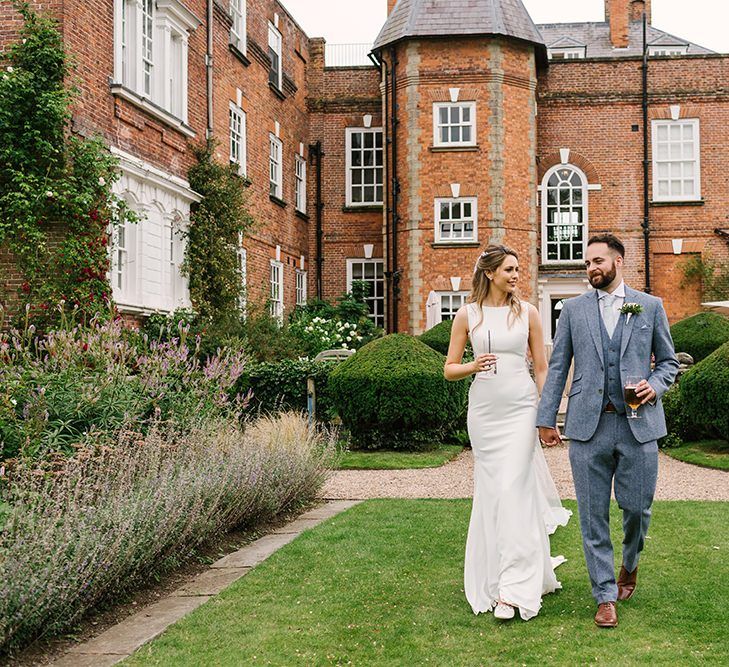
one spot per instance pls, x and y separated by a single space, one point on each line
392 394
439 337
700 334
282 385
705 392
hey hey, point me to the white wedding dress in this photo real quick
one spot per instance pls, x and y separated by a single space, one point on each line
515 501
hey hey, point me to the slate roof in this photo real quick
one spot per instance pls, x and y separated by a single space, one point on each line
596 38
436 18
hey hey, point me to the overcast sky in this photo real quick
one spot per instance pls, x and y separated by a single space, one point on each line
704 22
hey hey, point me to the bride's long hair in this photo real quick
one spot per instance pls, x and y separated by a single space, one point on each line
491 259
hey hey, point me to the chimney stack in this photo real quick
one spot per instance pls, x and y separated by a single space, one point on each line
620 13
390 6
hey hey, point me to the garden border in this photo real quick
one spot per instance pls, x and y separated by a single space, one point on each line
123 639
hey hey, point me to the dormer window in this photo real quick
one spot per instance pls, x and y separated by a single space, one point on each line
573 53
675 50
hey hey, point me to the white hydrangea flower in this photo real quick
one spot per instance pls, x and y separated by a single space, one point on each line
102 181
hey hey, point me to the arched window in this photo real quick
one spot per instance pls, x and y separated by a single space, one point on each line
564 215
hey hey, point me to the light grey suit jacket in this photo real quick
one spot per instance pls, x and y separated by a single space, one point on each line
578 337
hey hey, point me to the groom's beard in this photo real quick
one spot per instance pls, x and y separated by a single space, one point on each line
604 278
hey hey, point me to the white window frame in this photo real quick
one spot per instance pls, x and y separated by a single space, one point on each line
276 294
275 44
567 53
437 125
238 31
275 166
451 201
678 50
300 184
460 296
377 314
238 137
679 162
151 57
120 248
242 255
350 168
301 287
545 213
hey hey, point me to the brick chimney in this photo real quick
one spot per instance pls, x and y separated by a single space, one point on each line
390 6
620 13
617 14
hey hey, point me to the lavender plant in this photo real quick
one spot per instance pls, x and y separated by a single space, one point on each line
96 524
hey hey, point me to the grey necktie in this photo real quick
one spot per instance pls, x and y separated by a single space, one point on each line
608 313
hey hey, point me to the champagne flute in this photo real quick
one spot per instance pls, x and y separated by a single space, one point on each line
492 369
631 398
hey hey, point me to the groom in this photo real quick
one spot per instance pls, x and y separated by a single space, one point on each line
610 333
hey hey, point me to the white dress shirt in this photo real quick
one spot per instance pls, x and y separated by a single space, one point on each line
619 294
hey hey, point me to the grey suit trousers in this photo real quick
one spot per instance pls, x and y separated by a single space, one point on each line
613 453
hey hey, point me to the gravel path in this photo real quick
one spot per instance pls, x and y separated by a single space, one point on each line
676 480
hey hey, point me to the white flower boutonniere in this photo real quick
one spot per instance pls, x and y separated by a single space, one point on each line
629 309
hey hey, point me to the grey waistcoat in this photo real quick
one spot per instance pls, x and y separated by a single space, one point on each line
613 386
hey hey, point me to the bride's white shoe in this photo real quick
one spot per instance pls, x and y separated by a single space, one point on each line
503 612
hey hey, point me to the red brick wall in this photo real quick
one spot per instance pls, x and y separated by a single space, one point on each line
590 108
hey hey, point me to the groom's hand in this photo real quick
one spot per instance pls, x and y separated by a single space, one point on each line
549 436
645 392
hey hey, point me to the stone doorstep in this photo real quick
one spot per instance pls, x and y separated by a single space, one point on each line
123 639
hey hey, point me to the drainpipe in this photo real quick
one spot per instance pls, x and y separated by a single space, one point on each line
387 140
316 151
209 71
395 190
646 201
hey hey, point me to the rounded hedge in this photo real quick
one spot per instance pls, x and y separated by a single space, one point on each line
438 337
705 392
700 334
392 394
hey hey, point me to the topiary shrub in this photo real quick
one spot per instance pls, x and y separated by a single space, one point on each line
705 392
438 337
700 334
392 395
679 424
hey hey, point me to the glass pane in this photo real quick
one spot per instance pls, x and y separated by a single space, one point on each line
443 115
369 176
455 134
456 210
378 158
662 133
675 187
551 233
663 170
369 158
378 190
466 133
356 140
466 114
688 187
663 188
577 197
378 139
455 115
369 193
356 176
688 169
356 271
356 195
445 211
688 151
564 197
369 140
552 251
444 135
369 270
554 180
675 133
674 151
688 131
356 158
552 196
575 179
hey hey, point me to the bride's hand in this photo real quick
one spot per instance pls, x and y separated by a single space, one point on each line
483 362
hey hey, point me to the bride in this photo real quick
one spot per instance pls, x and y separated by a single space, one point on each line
515 502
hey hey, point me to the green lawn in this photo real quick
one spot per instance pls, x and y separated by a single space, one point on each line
707 453
382 585
386 460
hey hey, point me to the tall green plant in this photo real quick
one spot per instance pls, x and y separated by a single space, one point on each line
217 224
56 203
712 275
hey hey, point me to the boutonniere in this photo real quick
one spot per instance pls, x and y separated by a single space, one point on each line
629 309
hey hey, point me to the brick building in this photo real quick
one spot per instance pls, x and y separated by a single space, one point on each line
468 124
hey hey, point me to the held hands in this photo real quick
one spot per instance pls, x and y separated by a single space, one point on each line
483 362
549 436
645 392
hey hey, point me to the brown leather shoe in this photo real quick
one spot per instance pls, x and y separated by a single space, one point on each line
627 582
607 615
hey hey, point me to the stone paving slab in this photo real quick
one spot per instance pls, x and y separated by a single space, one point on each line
256 552
126 637
211 582
123 639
